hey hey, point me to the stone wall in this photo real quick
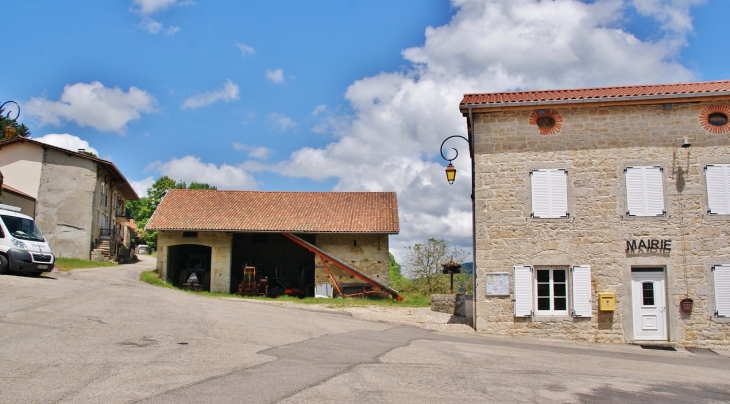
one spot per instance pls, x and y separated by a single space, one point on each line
450 304
220 260
595 144
366 252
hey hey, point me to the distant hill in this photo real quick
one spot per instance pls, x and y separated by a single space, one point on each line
467 268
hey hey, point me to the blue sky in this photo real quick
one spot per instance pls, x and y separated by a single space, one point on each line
326 95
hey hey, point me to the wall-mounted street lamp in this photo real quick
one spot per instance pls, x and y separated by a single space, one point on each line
10 129
450 170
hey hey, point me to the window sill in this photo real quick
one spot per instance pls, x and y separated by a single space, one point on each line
551 319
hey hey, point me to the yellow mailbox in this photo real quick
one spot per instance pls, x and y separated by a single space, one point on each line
606 301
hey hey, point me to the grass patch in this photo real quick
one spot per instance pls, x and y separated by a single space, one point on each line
68 264
409 300
153 278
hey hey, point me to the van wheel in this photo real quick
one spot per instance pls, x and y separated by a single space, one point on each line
3 265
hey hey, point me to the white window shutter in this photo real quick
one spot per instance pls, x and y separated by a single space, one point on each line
582 306
549 193
558 201
718 189
523 291
722 290
540 207
644 191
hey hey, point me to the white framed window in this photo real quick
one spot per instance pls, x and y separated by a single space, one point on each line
718 189
544 291
551 291
644 191
549 193
721 275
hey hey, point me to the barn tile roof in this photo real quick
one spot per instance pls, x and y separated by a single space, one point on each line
296 212
599 94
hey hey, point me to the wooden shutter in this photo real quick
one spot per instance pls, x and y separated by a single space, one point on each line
644 191
718 189
549 193
523 291
722 290
582 306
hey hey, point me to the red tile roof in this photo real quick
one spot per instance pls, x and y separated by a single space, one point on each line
599 94
296 212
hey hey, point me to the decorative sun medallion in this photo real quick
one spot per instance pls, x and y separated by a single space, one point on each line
714 118
548 121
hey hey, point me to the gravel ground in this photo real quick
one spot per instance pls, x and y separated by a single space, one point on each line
416 316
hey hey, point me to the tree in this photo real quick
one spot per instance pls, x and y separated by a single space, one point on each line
397 280
143 208
424 263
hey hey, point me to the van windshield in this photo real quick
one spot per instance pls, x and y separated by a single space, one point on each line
21 228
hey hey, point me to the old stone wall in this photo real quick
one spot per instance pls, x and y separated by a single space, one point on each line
220 260
64 207
366 252
595 144
450 304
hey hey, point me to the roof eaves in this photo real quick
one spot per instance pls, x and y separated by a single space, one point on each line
596 99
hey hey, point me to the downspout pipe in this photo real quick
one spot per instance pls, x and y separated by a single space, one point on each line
470 132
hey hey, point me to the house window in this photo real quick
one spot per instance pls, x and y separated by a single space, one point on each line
718 189
102 199
551 291
549 193
543 291
722 290
191 234
644 191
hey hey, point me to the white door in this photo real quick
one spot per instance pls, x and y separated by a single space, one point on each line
649 304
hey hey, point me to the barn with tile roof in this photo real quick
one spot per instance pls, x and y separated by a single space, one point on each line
294 240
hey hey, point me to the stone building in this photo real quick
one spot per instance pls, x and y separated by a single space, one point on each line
295 239
79 198
585 193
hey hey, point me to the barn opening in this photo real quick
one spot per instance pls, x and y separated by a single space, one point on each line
284 264
184 259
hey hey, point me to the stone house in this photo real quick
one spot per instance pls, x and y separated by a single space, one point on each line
295 239
598 211
80 200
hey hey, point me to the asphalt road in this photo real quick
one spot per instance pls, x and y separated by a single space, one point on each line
101 336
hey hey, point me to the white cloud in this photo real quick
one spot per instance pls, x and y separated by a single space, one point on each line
245 49
145 7
150 25
191 169
318 110
257 152
170 31
66 141
229 92
92 104
276 76
390 142
281 122
140 187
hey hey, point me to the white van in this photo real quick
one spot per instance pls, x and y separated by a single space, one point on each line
22 245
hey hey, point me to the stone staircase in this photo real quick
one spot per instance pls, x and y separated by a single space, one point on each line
101 252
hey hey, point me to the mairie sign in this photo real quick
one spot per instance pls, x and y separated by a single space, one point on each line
648 245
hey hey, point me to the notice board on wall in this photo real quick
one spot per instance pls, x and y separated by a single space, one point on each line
497 283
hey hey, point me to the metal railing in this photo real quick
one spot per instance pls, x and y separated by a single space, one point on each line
106 233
